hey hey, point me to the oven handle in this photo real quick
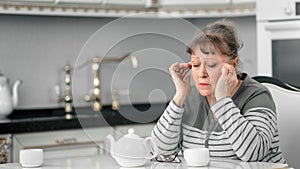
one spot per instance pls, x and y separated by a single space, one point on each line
287 25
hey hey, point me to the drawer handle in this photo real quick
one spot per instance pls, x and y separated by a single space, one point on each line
66 141
99 143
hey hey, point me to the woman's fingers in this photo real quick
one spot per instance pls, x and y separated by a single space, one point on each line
181 69
184 69
181 80
228 70
230 77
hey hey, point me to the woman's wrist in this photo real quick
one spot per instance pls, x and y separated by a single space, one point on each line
179 100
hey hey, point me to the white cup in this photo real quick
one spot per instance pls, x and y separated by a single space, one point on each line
31 157
196 157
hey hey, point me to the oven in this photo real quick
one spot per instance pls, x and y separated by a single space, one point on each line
278 39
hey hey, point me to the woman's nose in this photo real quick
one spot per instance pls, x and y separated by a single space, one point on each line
202 72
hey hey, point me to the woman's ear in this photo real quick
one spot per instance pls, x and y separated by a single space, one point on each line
235 63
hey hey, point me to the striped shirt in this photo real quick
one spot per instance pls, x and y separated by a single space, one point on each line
243 127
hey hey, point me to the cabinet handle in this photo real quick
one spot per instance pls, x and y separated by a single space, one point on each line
100 143
66 141
288 25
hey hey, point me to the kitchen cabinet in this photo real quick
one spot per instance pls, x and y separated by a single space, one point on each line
106 2
130 8
207 8
41 1
122 2
79 1
243 1
71 143
192 2
65 143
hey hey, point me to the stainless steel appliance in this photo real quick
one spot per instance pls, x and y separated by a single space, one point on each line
278 39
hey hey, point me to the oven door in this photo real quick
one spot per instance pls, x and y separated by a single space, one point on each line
278 46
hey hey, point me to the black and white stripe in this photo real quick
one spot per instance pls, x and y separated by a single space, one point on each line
252 136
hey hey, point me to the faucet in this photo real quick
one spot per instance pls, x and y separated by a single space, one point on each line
67 98
115 103
96 96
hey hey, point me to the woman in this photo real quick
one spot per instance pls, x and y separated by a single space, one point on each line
234 116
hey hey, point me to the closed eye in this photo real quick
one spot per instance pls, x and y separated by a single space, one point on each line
211 65
195 66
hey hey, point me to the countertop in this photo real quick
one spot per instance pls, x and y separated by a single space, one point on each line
37 120
107 162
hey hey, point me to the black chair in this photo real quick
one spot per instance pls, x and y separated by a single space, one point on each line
287 100
271 80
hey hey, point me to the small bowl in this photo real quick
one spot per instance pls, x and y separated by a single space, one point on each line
31 157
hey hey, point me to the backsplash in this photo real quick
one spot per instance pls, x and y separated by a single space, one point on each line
36 49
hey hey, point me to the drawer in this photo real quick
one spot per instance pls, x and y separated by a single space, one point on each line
65 143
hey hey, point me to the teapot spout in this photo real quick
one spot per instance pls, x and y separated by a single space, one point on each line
112 144
15 92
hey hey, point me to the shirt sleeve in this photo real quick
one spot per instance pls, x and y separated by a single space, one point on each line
250 133
166 132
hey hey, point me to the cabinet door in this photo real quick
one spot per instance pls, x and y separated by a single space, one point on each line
191 2
29 0
124 2
66 143
79 1
243 1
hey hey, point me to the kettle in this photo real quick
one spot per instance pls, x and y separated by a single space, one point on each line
7 101
132 150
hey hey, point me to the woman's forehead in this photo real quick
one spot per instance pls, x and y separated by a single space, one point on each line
206 56
209 57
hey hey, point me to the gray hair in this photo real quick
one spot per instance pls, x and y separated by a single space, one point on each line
219 36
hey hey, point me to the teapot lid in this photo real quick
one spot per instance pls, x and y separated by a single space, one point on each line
131 134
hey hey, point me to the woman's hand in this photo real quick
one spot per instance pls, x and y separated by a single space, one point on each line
181 79
227 83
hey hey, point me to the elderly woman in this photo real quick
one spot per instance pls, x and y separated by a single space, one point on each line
232 115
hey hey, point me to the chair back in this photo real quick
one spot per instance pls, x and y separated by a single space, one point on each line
287 101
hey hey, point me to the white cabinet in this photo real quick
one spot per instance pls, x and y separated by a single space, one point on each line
29 1
70 143
207 8
66 143
131 8
79 1
191 2
124 2
281 10
243 1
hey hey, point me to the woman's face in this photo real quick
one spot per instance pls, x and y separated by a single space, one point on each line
206 70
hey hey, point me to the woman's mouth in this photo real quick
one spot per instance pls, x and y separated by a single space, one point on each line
203 84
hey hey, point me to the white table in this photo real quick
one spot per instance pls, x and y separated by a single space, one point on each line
107 162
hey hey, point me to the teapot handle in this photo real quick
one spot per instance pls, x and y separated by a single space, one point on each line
147 142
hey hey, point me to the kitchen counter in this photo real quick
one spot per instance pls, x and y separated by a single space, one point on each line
107 162
36 120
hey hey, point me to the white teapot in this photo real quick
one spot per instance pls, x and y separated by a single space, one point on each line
132 150
7 101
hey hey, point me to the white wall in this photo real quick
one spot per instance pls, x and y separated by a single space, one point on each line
36 48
